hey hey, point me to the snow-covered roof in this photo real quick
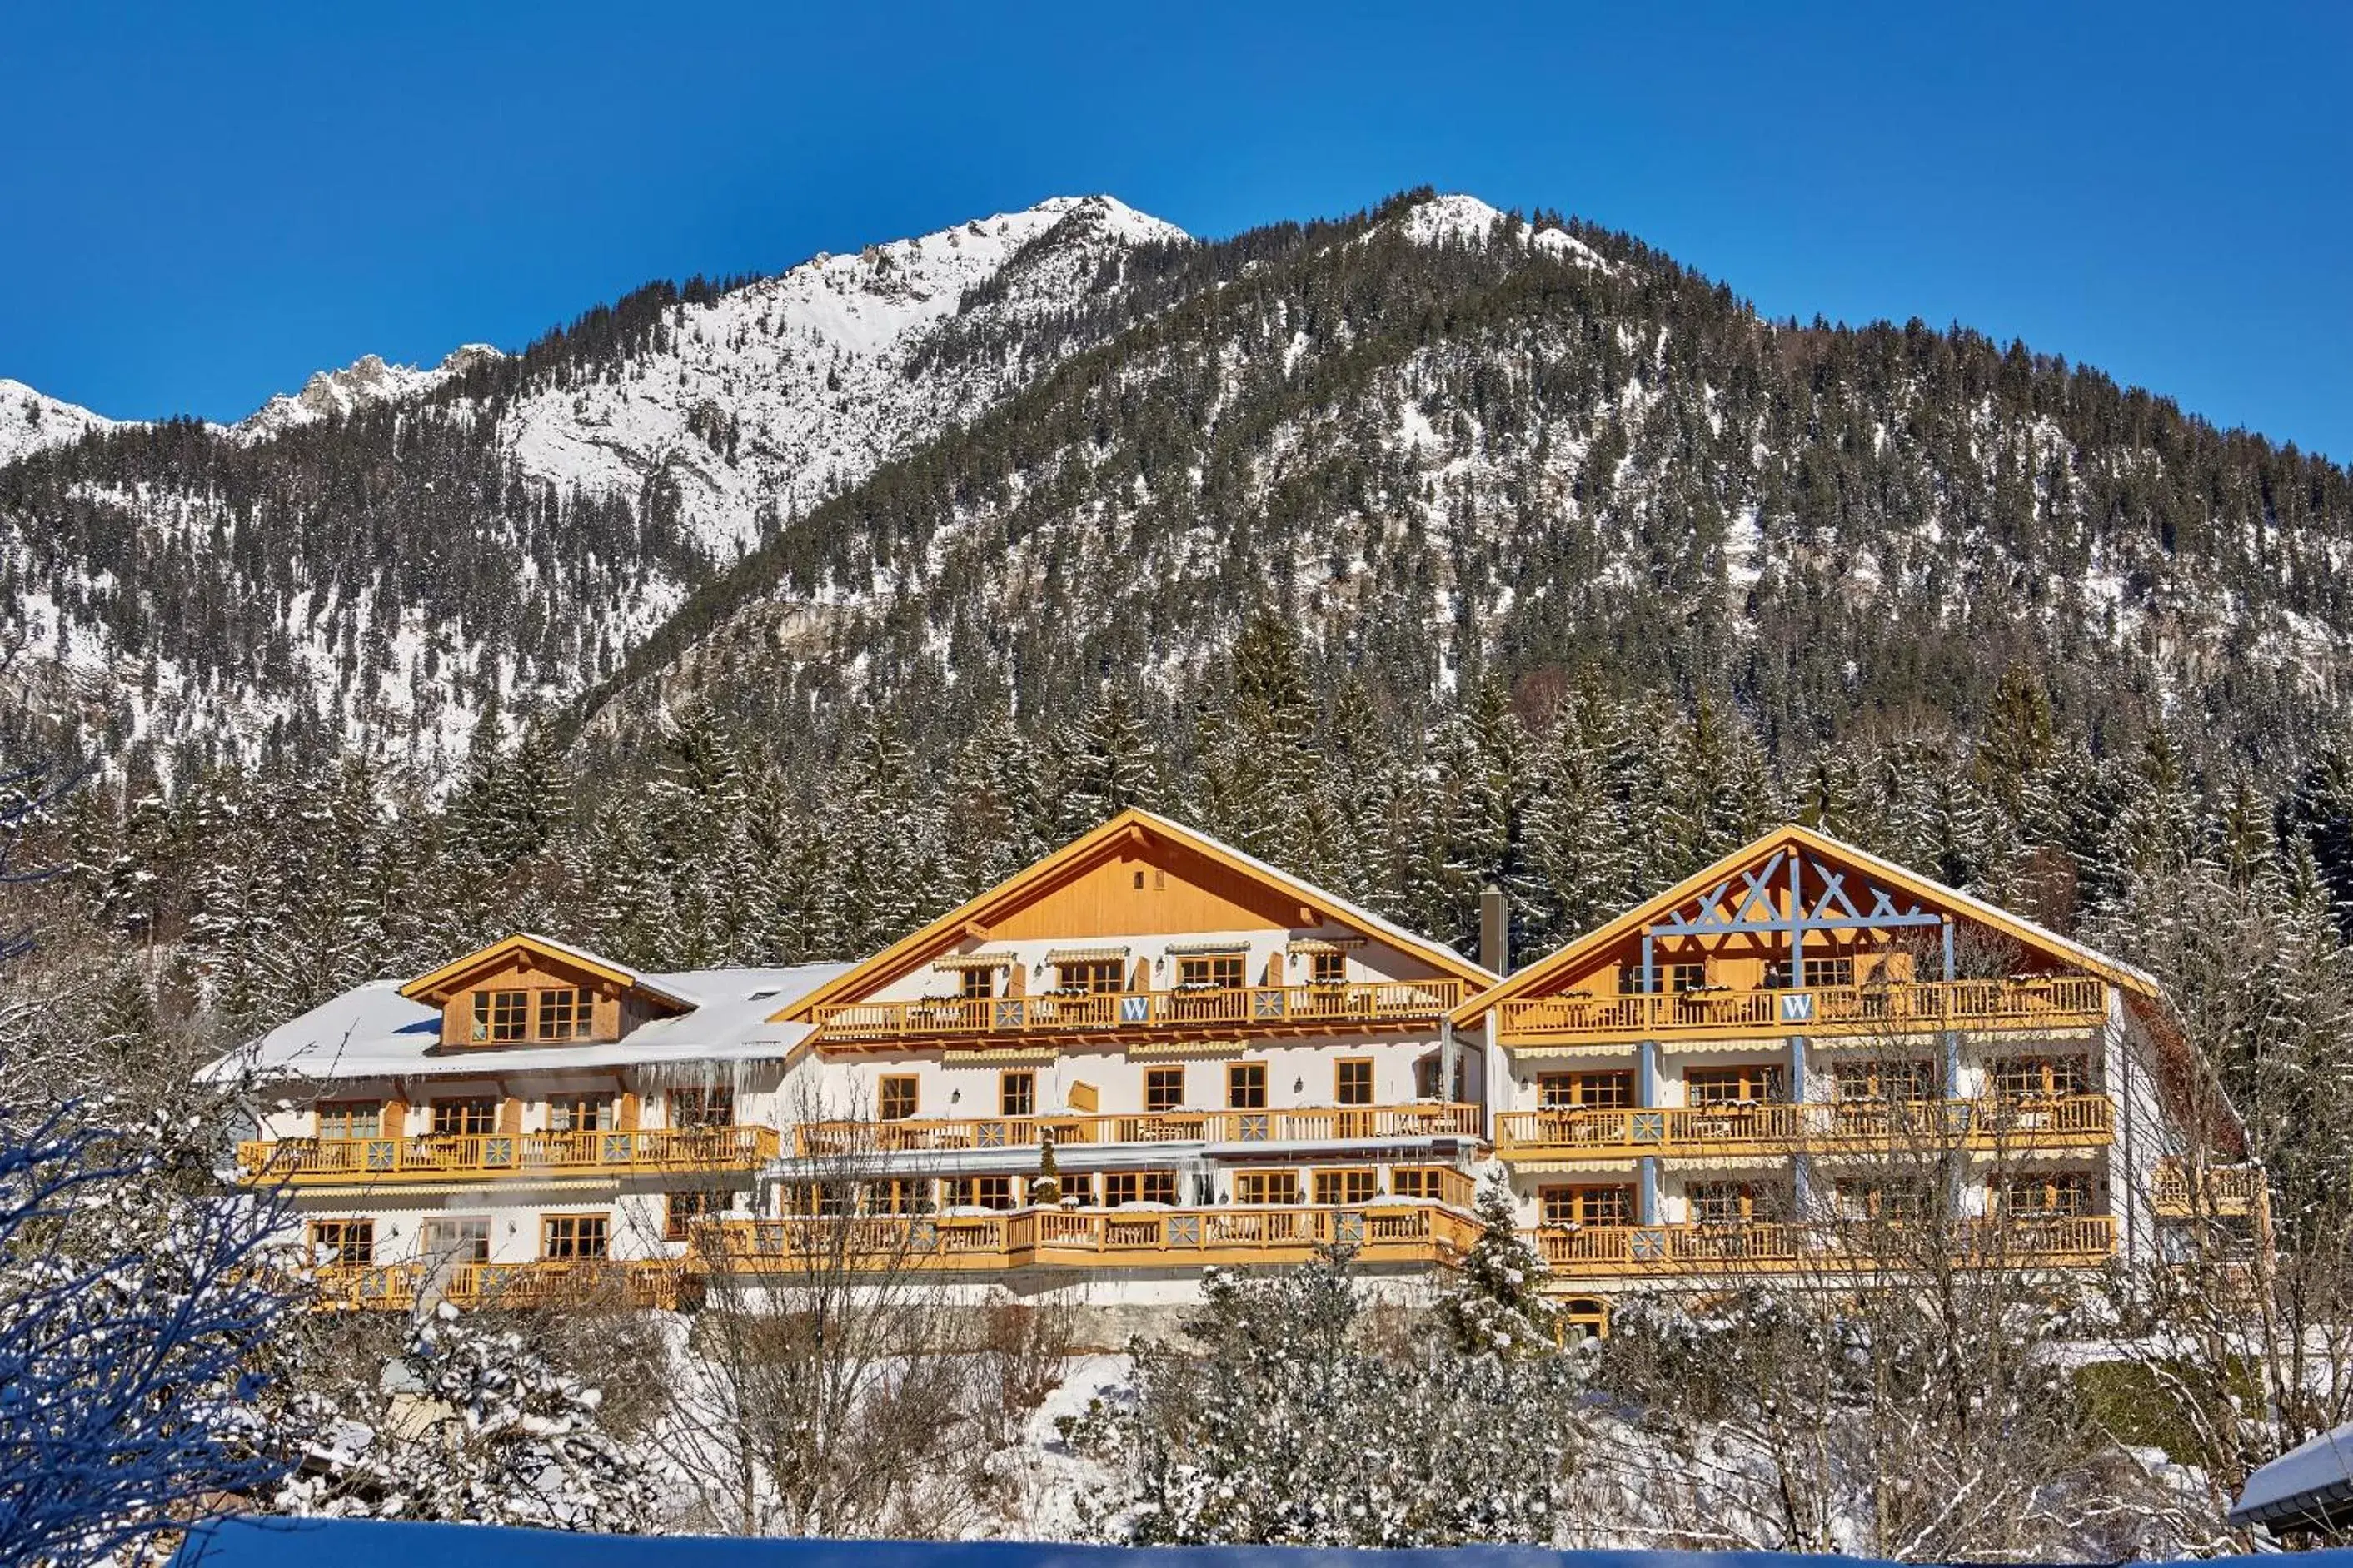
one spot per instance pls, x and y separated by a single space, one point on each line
2308 1485
373 1031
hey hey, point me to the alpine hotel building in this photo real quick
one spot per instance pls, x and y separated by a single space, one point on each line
1149 1052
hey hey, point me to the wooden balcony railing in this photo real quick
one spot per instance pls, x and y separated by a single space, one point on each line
2231 1191
1701 1250
1093 1238
2071 1121
638 1282
1271 1008
2043 1002
658 1150
930 1135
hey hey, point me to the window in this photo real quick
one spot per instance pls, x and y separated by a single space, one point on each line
1164 1089
977 982
2054 1196
1267 1187
1213 971
1017 1094
899 1194
581 1114
1587 1204
1722 1202
564 1014
344 1243
1246 1086
1353 1080
1418 1182
455 1239
1093 975
1736 1086
1853 1082
501 1014
469 1118
340 1120
1585 1090
1327 969
708 1105
1685 976
1139 1188
832 1198
573 1235
683 1211
896 1100
2040 1078
1897 1200
1349 1187
980 1192
1815 972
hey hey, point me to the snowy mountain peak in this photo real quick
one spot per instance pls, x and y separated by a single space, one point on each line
1467 220
30 420
330 393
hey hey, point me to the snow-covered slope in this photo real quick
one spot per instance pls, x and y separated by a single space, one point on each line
30 420
1467 220
782 393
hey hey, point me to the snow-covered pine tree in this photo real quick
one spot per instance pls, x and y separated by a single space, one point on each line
1496 1305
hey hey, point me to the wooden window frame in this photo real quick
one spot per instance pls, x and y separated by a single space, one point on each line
897 1096
1238 1074
977 983
1213 971
344 1236
703 1105
1757 1083
1875 1081
577 1231
337 1121
1341 1069
1578 1090
431 1247
1417 1180
2059 1075
1327 970
1608 1204
1163 1089
1362 1185
603 1105
1139 1188
2046 1189
502 1017
574 1019
1027 1078
1086 977
462 1108
981 1191
1244 1181
683 1206
1699 1196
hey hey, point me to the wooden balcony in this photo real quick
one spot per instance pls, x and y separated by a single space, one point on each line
2052 1002
662 1283
2231 1192
659 1150
1325 1124
2074 1121
1122 1014
1705 1251
1091 1238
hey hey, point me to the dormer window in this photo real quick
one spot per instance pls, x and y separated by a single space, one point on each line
501 1014
564 1014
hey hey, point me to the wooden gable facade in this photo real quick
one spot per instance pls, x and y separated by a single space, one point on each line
527 991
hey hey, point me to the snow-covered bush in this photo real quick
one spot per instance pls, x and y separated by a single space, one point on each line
132 1312
1279 1426
472 1425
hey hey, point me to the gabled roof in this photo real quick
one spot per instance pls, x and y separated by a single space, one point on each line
1130 826
562 956
1535 976
373 1031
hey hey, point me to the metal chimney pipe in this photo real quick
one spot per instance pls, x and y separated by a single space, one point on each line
1495 931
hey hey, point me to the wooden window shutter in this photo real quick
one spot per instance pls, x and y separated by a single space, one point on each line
628 1110
1083 1097
511 1115
395 1123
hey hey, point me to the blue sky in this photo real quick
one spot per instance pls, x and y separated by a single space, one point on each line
201 203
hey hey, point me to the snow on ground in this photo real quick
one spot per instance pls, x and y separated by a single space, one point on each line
366 380
30 420
1467 220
